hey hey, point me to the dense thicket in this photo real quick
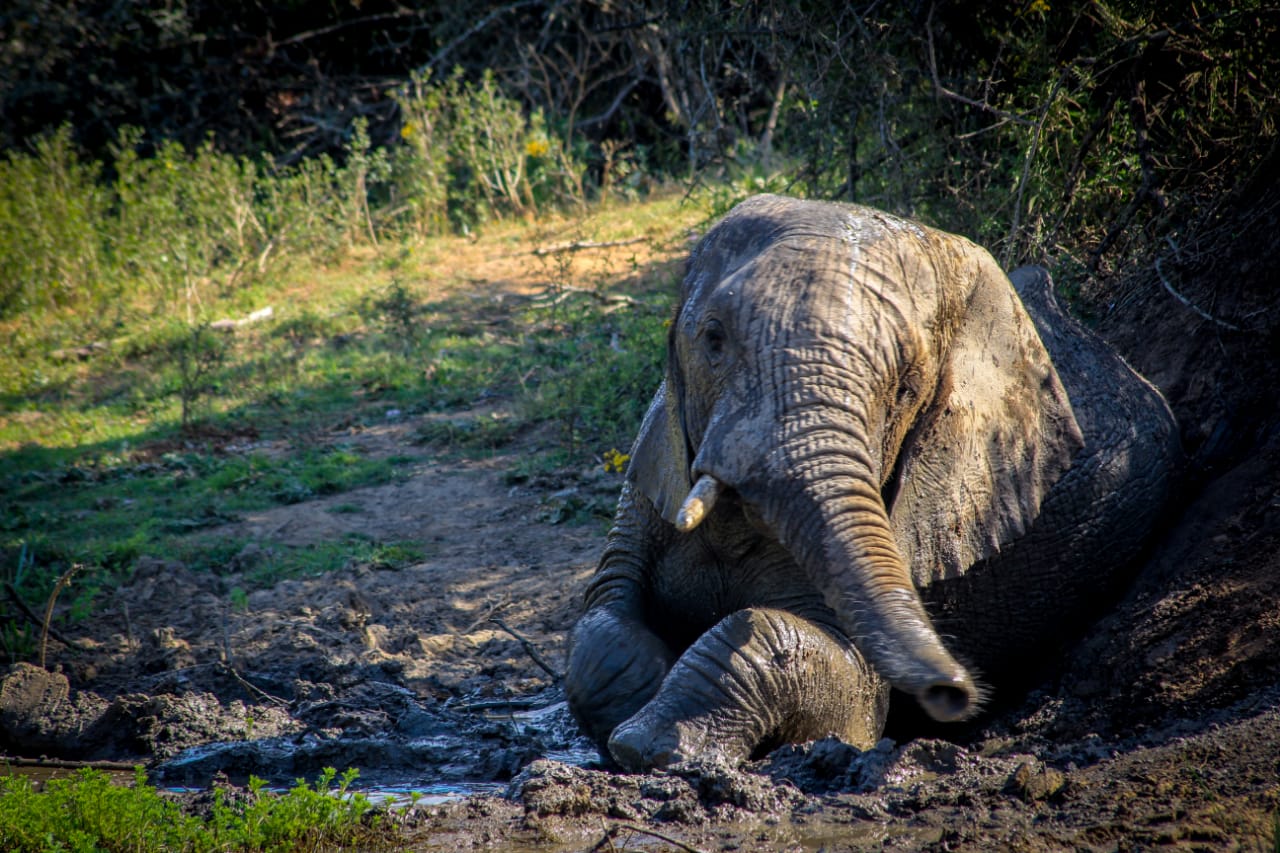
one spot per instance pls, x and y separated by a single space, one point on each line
1079 132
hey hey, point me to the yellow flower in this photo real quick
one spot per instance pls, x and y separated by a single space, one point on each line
406 132
1040 6
615 461
536 147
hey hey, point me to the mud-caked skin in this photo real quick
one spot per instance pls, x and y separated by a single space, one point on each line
856 410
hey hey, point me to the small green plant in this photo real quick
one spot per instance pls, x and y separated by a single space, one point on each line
198 352
88 812
399 311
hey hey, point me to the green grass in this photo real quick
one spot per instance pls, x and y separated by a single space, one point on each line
120 450
87 812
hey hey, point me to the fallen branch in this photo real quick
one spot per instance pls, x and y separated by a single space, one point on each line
228 664
530 650
555 295
252 688
36 620
229 324
65 763
1184 300
489 615
579 245
617 829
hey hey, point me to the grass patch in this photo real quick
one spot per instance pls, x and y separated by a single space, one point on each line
87 812
105 511
143 441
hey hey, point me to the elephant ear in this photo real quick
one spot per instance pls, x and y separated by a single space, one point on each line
660 456
997 436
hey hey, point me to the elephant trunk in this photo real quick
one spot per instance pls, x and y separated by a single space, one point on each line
830 514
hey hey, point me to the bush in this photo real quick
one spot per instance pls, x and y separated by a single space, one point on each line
184 223
470 154
52 214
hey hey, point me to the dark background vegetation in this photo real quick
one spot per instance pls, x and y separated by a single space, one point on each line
1081 132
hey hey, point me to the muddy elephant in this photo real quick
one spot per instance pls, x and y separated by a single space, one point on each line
865 440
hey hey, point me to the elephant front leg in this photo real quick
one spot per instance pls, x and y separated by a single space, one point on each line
616 665
760 677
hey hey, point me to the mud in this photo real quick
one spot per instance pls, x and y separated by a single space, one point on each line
1158 728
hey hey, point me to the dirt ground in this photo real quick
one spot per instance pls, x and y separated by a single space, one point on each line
1159 728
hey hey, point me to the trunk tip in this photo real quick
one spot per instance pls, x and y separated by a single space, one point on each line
952 699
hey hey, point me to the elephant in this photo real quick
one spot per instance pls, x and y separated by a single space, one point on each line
867 438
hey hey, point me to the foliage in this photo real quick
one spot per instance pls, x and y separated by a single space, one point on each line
596 371
87 812
184 223
51 209
471 154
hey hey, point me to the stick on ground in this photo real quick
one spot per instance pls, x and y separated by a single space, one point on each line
530 649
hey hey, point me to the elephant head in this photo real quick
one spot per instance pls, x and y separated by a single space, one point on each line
875 397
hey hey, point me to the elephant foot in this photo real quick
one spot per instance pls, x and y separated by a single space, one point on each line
616 665
759 678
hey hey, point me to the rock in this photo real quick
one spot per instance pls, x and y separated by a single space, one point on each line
1033 781
29 696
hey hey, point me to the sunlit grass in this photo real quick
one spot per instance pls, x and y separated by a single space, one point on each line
89 812
487 339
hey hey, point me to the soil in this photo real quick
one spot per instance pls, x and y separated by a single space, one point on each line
1160 727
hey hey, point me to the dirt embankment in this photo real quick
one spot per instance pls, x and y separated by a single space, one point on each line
1160 728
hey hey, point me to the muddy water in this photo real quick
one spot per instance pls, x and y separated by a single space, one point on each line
434 751
40 775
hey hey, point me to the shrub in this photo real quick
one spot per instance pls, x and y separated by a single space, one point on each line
52 212
470 154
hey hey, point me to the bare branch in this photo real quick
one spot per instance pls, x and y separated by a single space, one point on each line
1184 300
63 581
342 25
618 828
36 621
1026 170
531 650
579 245
956 96
475 28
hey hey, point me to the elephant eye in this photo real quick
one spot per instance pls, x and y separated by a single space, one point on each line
714 338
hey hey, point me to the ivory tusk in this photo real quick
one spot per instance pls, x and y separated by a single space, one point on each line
701 500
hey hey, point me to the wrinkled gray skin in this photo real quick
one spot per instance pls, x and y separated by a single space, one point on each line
867 410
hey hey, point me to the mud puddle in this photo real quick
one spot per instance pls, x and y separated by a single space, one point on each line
429 748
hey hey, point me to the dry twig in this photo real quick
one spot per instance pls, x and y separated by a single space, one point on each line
63 580
36 621
1184 300
530 649
579 245
253 688
617 829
